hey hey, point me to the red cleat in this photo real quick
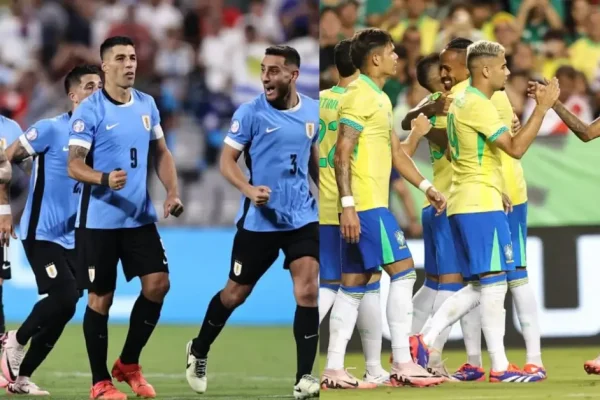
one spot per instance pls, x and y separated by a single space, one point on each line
105 390
592 367
132 375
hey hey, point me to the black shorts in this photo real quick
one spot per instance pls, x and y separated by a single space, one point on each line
140 251
51 263
253 253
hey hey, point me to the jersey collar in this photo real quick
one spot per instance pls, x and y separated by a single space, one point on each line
115 102
370 82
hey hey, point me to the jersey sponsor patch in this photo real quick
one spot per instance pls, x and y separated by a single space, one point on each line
237 268
235 126
310 129
51 271
78 126
146 121
31 134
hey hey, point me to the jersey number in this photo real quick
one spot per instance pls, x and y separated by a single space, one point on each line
324 162
294 163
452 138
133 156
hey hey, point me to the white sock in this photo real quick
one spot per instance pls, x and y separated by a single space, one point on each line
341 324
399 314
435 356
471 329
493 293
369 327
327 295
423 305
450 311
526 305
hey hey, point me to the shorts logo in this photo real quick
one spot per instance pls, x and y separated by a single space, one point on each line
235 126
51 271
92 273
310 129
31 134
237 268
400 239
146 121
78 126
508 253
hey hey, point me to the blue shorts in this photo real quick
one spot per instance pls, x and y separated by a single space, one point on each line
394 175
381 243
440 253
517 221
483 242
330 241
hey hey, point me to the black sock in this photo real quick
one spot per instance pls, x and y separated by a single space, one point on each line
306 333
95 330
2 322
42 310
43 342
143 319
214 321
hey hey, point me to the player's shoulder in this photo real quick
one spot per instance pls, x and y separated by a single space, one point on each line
8 123
250 107
500 99
139 96
309 102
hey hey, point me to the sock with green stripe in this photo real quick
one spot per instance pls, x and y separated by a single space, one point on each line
341 323
400 312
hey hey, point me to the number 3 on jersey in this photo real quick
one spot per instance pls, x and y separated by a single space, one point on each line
324 162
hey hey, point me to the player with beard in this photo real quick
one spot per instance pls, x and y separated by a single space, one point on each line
277 132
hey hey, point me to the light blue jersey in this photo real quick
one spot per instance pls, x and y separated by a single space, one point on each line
9 131
277 146
53 196
118 137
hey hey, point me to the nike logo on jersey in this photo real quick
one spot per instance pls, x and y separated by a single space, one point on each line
269 130
109 127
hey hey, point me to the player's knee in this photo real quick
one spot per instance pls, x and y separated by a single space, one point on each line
306 292
66 297
100 303
234 295
156 289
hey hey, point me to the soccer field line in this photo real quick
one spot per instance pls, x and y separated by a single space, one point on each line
225 375
500 397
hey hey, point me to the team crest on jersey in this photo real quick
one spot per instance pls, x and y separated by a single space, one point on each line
3 143
51 271
78 126
92 273
400 239
310 129
237 268
235 126
508 253
146 121
31 134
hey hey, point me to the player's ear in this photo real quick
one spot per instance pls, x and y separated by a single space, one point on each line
376 59
486 71
72 97
104 67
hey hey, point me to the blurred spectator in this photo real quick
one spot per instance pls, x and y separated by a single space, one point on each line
481 14
555 53
329 35
415 17
411 40
585 52
523 59
158 16
396 85
21 35
348 13
535 18
580 10
516 89
407 101
506 33
267 24
174 58
460 24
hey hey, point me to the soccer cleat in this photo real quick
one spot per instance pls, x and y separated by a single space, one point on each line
342 379
514 375
411 374
535 369
469 373
26 387
592 367
418 351
105 390
306 388
195 371
132 375
441 371
382 378
12 356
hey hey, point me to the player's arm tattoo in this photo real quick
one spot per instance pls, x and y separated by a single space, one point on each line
18 154
5 172
346 142
583 131
79 170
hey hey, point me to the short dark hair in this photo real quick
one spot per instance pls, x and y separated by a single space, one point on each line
327 9
115 41
423 68
341 57
458 43
555 34
74 76
366 41
290 54
566 71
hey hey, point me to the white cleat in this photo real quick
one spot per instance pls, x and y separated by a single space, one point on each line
307 388
12 356
25 387
195 371
381 377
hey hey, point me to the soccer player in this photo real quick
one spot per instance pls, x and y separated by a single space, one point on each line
369 313
49 246
477 136
277 132
372 237
112 133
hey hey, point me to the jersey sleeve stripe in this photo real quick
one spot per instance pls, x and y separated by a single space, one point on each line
352 124
234 144
496 135
81 143
157 133
26 145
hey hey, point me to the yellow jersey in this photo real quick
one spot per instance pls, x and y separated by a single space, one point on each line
366 108
427 26
329 101
473 126
585 55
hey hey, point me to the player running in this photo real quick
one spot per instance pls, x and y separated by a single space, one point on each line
111 135
477 135
277 134
369 313
49 246
372 237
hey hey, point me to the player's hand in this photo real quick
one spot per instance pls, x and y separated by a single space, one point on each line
516 124
547 95
350 225
532 87
6 229
437 200
442 104
421 125
173 206
259 195
117 179
508 206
